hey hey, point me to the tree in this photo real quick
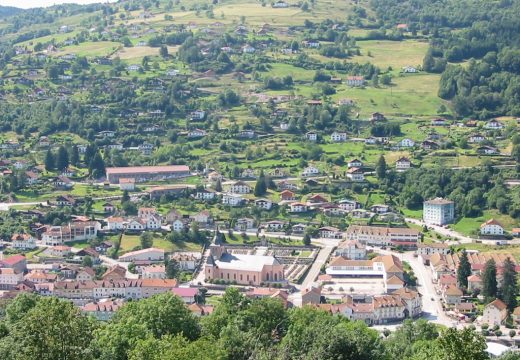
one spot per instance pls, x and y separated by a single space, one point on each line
461 345
218 185
261 186
49 161
307 239
381 167
172 269
146 240
96 166
125 197
87 261
489 281
58 331
74 156
62 160
163 51
428 62
464 270
508 289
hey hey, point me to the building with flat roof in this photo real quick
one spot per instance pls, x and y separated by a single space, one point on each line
438 211
147 173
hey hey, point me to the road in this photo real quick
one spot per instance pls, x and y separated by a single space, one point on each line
320 260
462 239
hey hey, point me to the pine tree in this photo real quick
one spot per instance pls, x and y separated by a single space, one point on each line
428 62
381 167
218 185
261 186
125 197
508 286
97 166
307 239
62 160
489 281
74 156
49 160
464 270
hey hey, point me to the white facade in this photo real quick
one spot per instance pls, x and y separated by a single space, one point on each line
338 136
310 171
406 143
240 188
438 211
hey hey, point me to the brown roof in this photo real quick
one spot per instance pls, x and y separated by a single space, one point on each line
499 304
342 261
491 222
453 290
406 293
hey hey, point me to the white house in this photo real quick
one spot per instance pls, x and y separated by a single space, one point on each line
355 174
493 125
127 184
355 81
197 115
23 242
197 133
403 164
310 171
338 136
178 225
264 204
275 225
240 187
491 227
348 205
410 70
204 195
406 143
495 313
355 163
232 200
297 207
352 249
133 67
312 136
136 225
476 138
280 5
248 49
116 223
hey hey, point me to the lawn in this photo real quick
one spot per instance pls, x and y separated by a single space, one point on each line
471 226
92 48
130 242
395 54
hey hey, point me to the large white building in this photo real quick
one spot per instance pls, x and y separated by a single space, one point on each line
438 211
491 227
352 250
151 254
383 236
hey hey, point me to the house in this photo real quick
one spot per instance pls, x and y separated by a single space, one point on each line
204 194
280 5
197 133
127 184
277 172
155 271
495 313
493 125
429 145
383 236
355 174
310 171
136 224
355 163
103 310
487 150
247 134
409 70
438 122
406 143
476 138
433 248
298 228
403 164
474 282
330 232
515 232
197 115
187 295
355 81
201 310
147 173
187 261
264 204
62 182
233 200
178 225
275 225
311 136
377 117
248 49
297 207
133 67
451 295
492 227
9 278
311 295
108 207
317 199
338 136
240 187
311 44
380 208
203 217
150 254
351 249
23 242
287 195
115 223
248 174
348 205
244 224
65 200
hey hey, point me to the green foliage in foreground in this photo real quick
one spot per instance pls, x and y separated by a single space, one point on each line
161 328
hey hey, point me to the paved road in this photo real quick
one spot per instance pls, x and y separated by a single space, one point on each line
320 260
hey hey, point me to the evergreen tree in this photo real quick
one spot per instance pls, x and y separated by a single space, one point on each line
464 270
218 185
97 166
172 269
261 186
62 160
489 281
49 160
125 197
381 167
428 62
74 156
307 239
508 286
